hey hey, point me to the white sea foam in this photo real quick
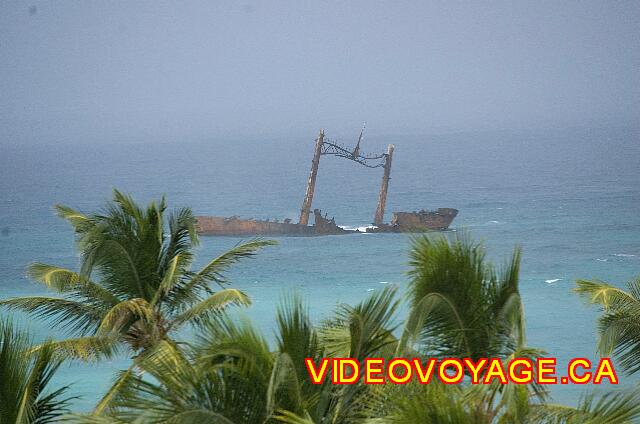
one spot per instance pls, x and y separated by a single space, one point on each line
383 282
624 255
362 229
554 280
602 260
370 290
494 222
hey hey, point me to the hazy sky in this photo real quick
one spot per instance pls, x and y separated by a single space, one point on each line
116 70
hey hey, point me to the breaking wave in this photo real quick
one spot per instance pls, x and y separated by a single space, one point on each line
352 228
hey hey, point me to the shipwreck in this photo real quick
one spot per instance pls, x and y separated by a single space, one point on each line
419 221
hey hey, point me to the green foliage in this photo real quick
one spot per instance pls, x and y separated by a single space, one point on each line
360 331
619 325
232 375
460 306
431 403
135 285
611 408
25 377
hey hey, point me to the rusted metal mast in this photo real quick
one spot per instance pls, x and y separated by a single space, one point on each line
311 184
382 200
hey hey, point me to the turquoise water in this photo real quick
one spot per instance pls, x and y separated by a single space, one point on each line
569 198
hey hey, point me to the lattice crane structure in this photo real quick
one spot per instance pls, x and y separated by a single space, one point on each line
326 147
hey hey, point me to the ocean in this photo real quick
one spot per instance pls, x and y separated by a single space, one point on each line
569 197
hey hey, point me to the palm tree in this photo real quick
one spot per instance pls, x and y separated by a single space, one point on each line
455 298
25 376
460 307
232 374
135 286
610 408
439 403
445 404
619 325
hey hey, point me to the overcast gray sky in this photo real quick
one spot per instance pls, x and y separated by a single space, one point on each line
101 71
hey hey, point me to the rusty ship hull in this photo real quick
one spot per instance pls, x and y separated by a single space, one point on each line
415 222
401 222
234 226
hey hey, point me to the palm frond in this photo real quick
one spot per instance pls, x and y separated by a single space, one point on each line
610 408
89 348
92 419
224 374
129 208
125 312
167 364
224 340
35 405
78 220
477 313
182 236
63 280
603 294
619 331
284 390
289 417
79 316
619 325
431 403
363 330
297 339
198 417
215 269
25 377
508 305
440 312
215 303
171 277
116 262
510 315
